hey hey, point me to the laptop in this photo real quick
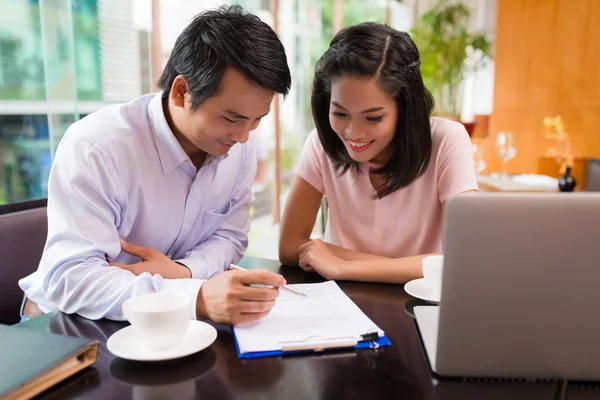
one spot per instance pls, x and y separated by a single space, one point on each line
521 288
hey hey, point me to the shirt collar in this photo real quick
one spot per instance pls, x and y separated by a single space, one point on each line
215 160
170 152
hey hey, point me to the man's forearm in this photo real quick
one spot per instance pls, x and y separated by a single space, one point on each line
184 272
97 291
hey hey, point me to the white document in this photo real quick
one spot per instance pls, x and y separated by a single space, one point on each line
326 318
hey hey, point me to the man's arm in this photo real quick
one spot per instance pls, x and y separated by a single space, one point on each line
228 243
85 196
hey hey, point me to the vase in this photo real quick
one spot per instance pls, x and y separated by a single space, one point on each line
567 183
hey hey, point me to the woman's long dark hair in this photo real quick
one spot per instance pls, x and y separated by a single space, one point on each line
390 56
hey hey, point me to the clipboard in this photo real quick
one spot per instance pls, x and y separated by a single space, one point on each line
337 344
326 319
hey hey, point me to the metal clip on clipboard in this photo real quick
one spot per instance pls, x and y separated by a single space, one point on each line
371 337
321 344
318 343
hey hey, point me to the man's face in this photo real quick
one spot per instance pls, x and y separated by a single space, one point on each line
222 120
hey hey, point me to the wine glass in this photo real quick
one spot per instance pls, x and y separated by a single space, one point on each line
505 149
479 158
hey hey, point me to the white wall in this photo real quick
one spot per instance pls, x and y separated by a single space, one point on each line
175 15
478 88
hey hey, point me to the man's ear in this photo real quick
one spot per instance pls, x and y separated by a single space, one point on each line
179 91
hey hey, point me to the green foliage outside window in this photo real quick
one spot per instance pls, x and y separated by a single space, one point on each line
444 42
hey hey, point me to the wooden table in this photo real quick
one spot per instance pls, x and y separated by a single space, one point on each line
396 372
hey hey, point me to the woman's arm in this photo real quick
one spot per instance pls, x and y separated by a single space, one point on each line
331 264
317 255
298 220
393 270
350 255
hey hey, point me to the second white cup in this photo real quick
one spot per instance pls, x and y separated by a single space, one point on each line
432 272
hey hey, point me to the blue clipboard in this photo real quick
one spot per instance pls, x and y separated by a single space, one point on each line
370 344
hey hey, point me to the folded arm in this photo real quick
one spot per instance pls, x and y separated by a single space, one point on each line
329 261
388 270
298 222
85 197
350 255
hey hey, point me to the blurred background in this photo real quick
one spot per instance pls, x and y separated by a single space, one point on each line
520 75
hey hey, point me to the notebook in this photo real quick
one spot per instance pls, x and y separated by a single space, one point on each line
31 361
325 320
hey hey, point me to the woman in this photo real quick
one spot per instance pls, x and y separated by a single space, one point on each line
385 166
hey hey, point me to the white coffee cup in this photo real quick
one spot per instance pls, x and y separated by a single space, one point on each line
159 319
432 272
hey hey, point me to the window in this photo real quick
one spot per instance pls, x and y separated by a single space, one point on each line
56 65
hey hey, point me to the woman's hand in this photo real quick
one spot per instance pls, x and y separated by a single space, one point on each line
316 255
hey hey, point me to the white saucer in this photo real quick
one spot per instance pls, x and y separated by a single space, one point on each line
419 289
198 336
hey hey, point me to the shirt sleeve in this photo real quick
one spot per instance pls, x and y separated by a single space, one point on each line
228 243
456 170
84 210
310 166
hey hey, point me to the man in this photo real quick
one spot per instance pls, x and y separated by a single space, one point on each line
171 174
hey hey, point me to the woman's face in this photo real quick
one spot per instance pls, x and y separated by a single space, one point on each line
364 117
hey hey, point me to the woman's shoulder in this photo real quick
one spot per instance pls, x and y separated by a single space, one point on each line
313 147
448 134
442 128
313 139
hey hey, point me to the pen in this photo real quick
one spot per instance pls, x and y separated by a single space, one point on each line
286 287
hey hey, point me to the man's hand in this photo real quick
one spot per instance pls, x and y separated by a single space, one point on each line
228 298
153 261
316 255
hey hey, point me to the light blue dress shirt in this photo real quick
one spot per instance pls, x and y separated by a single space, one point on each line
121 173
